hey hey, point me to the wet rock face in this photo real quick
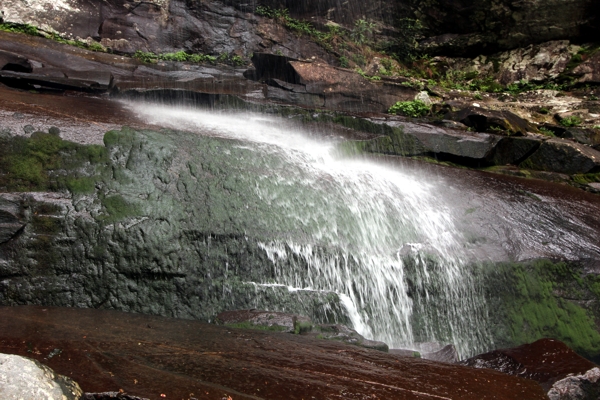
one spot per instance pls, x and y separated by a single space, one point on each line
208 27
536 62
470 27
589 70
148 356
164 238
23 378
561 372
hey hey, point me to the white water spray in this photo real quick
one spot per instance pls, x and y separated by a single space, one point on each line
378 237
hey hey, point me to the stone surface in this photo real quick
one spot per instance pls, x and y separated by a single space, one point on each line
492 121
344 334
577 387
564 156
317 84
21 80
151 356
208 27
23 378
14 62
447 354
514 150
535 63
545 361
591 137
276 320
467 27
589 70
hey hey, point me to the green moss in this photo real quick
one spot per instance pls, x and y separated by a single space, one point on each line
584 179
540 300
117 208
45 225
82 185
44 162
250 325
302 327
19 28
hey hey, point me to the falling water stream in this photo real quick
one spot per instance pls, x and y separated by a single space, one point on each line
378 237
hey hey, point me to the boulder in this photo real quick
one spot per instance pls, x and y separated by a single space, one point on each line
348 335
514 150
589 70
563 156
551 363
591 137
317 84
492 121
447 354
23 378
13 62
577 387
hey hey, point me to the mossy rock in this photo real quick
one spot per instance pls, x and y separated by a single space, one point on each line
545 299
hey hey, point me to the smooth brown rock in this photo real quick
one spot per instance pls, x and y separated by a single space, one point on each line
545 361
157 358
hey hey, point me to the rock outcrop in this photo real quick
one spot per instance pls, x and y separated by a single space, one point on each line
561 372
24 378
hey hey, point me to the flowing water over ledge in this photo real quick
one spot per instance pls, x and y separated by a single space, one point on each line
395 244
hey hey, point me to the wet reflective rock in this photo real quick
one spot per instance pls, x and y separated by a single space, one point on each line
545 361
154 357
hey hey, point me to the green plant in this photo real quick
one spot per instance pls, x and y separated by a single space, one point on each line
145 57
344 62
415 108
362 32
592 97
596 127
546 132
19 28
571 121
178 56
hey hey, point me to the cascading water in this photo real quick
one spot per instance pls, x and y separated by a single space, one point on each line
378 237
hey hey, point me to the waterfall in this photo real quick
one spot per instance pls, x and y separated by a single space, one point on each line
379 237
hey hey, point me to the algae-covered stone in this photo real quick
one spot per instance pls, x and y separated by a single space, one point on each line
540 299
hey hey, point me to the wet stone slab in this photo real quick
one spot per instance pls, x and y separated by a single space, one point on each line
156 357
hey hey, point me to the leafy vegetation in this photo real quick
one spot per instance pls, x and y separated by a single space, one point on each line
571 121
362 32
19 28
182 56
546 131
415 108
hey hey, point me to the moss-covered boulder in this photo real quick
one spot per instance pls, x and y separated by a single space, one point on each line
545 299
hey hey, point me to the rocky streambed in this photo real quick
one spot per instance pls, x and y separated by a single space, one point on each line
122 188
